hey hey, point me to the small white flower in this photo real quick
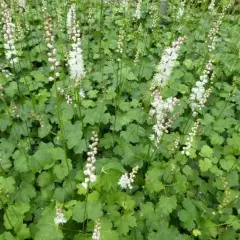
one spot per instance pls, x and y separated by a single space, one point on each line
82 93
57 74
22 3
8 34
137 13
165 67
124 181
190 138
199 94
59 219
90 170
85 185
75 62
93 178
127 180
212 5
96 232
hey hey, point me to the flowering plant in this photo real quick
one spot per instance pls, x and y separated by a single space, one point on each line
118 121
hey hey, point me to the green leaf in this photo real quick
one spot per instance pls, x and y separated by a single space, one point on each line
4 123
109 179
14 215
23 232
189 215
73 133
7 236
166 205
46 229
108 140
153 184
44 179
11 89
209 229
147 210
20 162
61 170
7 184
45 129
189 64
110 94
133 133
94 210
25 192
228 162
125 222
109 235
206 151
79 213
205 164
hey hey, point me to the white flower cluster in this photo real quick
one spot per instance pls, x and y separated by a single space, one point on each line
44 7
174 145
69 99
19 32
190 138
120 42
199 94
181 10
96 232
9 35
1 91
154 14
160 110
52 51
75 60
7 74
125 5
228 5
128 179
82 93
22 4
213 33
137 13
71 20
212 5
59 219
59 13
136 59
165 67
90 169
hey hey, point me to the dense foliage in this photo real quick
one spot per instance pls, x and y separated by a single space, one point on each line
87 149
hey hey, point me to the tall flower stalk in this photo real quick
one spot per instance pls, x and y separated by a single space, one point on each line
212 35
127 179
75 59
188 145
22 4
199 94
9 35
89 172
96 232
212 5
60 218
181 10
54 75
52 51
160 108
137 13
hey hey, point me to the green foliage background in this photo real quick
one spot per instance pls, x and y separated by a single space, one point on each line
174 197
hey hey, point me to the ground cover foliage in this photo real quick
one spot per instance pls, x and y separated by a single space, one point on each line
101 140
